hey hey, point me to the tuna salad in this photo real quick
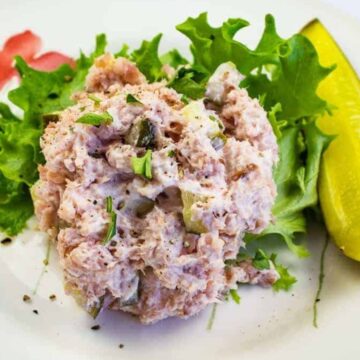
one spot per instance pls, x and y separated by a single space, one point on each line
152 174
148 195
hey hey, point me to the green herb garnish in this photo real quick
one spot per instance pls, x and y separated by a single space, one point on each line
95 119
111 231
235 296
142 165
109 202
171 153
131 99
212 317
321 281
95 99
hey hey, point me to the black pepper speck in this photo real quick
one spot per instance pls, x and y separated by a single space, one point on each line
6 241
26 298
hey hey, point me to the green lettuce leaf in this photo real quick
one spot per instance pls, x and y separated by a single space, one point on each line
84 61
189 82
261 260
286 280
173 58
147 59
213 46
15 206
123 52
39 94
296 177
293 82
19 150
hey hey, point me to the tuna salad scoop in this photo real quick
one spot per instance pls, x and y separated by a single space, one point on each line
148 195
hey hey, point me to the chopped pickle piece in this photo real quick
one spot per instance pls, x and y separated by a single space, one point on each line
132 300
143 207
189 199
196 112
80 298
142 134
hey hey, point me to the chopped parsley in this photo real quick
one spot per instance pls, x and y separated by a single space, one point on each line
142 165
131 99
95 119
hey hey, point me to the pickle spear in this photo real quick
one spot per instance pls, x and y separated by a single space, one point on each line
339 184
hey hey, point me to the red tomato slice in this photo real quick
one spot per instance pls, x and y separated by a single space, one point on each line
51 61
6 70
25 44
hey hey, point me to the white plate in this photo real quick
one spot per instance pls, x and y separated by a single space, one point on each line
265 325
